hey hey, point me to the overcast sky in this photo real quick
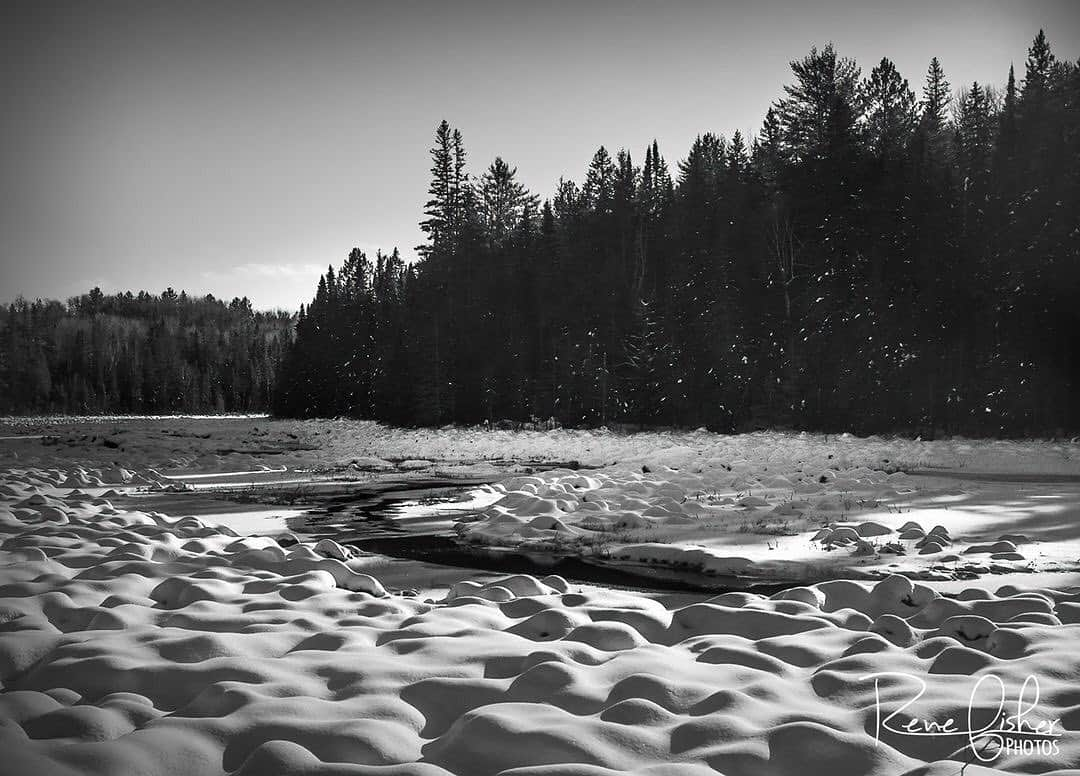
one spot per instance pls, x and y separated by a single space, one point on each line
239 147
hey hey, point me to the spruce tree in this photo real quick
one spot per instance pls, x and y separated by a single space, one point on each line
599 189
935 101
440 209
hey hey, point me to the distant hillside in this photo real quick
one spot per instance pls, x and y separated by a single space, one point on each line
139 353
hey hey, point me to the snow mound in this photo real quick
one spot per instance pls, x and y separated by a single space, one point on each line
135 643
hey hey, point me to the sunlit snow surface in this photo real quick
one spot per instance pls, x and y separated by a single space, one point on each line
135 642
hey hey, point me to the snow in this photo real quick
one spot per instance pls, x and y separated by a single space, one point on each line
794 521
134 642
223 444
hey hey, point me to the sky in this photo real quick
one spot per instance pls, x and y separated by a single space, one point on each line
238 148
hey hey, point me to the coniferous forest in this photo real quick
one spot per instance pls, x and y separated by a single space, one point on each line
141 353
874 259
882 256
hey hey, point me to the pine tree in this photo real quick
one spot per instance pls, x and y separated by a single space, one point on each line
890 115
461 191
818 117
503 201
598 193
738 161
974 132
935 101
656 184
440 210
1007 137
768 154
1040 67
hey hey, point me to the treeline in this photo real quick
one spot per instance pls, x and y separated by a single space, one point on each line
143 353
870 261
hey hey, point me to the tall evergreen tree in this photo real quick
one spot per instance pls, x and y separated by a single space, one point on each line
440 210
890 115
936 95
503 201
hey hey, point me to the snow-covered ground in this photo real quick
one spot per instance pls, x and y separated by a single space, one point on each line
793 521
240 444
134 642
769 504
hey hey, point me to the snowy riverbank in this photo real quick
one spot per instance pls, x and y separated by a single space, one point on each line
137 642
133 641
